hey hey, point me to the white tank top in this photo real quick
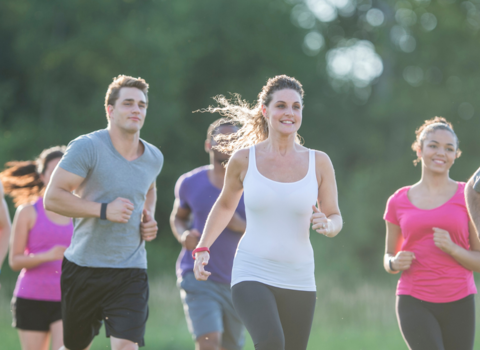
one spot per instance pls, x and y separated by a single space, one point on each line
275 248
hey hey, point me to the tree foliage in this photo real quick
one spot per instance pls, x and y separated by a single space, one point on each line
58 58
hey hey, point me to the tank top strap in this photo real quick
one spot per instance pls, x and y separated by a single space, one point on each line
252 161
39 208
311 162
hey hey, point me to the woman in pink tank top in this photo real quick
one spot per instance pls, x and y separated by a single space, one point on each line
431 240
39 239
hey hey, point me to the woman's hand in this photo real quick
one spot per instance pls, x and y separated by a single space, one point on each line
55 253
320 222
442 240
199 268
403 260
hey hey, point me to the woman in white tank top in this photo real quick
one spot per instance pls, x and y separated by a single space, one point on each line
273 282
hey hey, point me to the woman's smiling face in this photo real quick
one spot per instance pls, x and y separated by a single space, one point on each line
284 112
439 150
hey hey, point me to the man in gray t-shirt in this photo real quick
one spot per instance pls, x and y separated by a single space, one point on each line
472 196
106 182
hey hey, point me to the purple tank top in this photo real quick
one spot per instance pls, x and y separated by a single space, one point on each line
43 281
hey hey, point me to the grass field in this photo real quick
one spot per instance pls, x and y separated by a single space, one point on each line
347 317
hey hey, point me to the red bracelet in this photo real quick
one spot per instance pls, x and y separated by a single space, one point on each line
197 250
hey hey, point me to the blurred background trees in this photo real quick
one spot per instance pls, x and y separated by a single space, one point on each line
372 72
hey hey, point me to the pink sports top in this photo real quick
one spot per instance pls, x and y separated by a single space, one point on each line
43 281
434 275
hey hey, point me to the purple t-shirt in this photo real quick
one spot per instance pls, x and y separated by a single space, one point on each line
196 192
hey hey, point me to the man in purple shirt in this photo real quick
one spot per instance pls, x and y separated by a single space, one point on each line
208 306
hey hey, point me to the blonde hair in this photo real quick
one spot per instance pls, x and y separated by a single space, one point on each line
253 127
437 123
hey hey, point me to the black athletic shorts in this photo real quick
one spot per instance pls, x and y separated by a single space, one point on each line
92 296
35 315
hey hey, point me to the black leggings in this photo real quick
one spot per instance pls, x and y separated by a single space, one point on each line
276 318
437 326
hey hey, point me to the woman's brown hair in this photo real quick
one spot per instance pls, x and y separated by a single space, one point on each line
430 125
253 125
21 179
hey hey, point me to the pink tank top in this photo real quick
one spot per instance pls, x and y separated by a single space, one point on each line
43 281
434 275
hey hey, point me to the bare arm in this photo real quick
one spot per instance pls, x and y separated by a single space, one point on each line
5 227
327 219
148 226
179 222
60 199
22 224
226 204
470 259
223 209
151 199
401 260
472 198
179 219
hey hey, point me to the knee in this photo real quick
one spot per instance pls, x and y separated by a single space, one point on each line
210 341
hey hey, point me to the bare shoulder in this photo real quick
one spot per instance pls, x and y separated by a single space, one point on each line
239 159
322 159
238 164
26 212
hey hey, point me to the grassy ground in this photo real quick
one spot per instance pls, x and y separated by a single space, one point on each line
348 317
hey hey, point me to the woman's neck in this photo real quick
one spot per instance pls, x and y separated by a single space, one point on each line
434 182
280 144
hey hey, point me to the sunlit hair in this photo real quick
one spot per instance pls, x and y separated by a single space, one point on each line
253 127
437 123
21 179
124 81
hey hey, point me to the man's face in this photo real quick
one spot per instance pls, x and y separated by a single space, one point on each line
220 157
129 110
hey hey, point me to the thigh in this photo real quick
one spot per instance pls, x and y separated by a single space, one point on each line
256 306
125 311
458 324
418 325
34 340
296 309
56 331
82 294
203 309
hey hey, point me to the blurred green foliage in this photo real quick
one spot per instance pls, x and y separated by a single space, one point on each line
58 57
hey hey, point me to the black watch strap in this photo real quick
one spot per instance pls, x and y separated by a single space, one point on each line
390 265
103 211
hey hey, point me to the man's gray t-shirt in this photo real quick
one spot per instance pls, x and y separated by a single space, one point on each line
108 175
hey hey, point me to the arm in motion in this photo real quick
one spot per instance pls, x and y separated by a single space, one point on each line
223 209
327 219
60 199
472 198
148 226
23 222
470 259
401 260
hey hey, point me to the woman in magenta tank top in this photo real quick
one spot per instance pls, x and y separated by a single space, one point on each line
39 239
432 242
